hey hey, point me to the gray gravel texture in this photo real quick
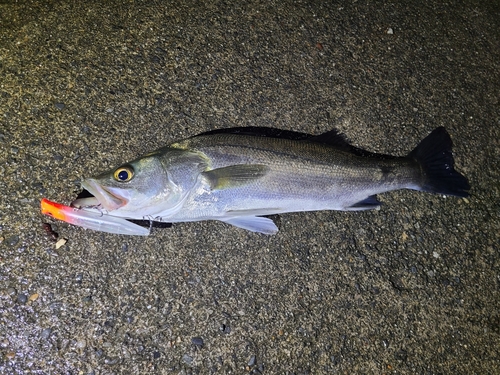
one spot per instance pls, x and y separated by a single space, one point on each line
410 289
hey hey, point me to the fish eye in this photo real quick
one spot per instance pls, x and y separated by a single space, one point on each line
123 174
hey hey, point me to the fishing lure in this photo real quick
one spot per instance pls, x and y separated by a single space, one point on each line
91 220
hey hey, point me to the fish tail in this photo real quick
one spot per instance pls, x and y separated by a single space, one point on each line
436 162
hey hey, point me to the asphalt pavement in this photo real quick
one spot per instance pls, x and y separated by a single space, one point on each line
412 288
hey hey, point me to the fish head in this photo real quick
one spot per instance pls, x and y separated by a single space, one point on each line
134 190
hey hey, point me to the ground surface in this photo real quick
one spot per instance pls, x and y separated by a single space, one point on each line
411 288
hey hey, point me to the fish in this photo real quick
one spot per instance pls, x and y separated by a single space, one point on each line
241 175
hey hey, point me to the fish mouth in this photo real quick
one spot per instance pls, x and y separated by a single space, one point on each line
99 197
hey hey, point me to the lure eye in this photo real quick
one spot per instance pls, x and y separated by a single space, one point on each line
124 174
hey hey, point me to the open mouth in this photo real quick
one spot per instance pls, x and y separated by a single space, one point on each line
84 199
96 196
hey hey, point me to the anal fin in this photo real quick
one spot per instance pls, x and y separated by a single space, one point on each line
254 224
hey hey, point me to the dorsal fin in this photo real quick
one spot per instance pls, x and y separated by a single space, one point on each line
333 138
261 131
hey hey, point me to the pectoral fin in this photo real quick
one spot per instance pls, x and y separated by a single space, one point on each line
234 175
254 224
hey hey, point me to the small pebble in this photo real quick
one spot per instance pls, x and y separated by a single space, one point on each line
111 360
198 341
187 359
61 242
225 329
46 333
390 31
22 298
50 232
10 355
60 105
79 278
33 297
63 344
81 344
13 240
252 361
401 355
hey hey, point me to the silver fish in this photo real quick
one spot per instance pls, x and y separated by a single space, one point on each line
237 177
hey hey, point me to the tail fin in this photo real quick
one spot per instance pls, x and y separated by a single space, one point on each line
436 160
